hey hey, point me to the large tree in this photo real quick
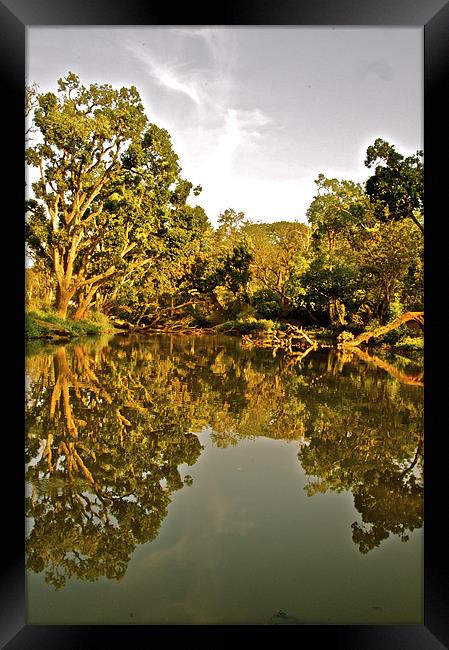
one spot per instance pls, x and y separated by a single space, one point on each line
81 134
150 220
339 215
338 209
365 258
397 186
390 263
220 271
280 249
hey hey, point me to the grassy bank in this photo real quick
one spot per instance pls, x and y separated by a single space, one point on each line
46 324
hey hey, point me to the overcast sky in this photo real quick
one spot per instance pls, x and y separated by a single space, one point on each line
255 114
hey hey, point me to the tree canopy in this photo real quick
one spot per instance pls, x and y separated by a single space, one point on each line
397 185
109 198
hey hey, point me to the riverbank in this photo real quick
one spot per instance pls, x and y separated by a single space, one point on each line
47 325
403 339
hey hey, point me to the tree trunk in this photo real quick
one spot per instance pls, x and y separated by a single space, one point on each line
311 316
336 312
417 316
383 307
80 312
84 304
216 302
62 301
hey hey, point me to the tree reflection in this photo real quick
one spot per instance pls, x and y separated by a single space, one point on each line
102 463
375 452
108 426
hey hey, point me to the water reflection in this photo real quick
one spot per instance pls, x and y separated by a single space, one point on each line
109 424
366 436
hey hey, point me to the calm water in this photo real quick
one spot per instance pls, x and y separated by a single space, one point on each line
186 480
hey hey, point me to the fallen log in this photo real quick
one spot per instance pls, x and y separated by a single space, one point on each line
52 330
182 330
364 337
292 338
298 356
299 333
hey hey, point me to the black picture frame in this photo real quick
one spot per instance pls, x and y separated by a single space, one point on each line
433 16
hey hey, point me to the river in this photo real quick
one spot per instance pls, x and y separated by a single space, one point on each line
187 480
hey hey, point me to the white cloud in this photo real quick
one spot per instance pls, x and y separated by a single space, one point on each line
213 144
239 129
167 76
220 42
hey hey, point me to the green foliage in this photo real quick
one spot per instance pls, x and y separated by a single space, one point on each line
360 261
85 328
410 343
32 329
336 212
98 318
397 187
230 223
280 254
109 213
330 285
233 270
247 312
246 326
394 336
267 302
82 133
76 329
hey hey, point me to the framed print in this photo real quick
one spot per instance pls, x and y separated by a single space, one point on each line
350 597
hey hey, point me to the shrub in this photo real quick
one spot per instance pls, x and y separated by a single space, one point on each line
98 318
32 330
345 336
246 313
411 343
267 303
268 325
246 326
395 336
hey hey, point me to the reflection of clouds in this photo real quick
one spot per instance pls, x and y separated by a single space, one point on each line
175 553
197 589
229 521
223 518
179 600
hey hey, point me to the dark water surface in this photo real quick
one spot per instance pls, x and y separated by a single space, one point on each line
186 480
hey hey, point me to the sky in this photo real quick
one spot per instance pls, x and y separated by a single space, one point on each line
254 113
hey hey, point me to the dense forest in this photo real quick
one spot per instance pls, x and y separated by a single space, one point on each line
115 235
